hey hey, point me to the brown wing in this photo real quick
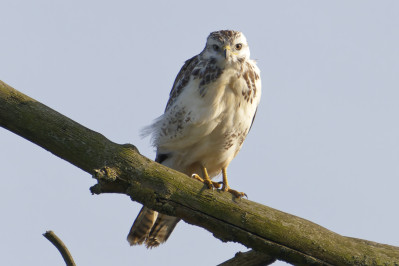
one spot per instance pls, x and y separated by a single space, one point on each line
181 80
253 119
251 77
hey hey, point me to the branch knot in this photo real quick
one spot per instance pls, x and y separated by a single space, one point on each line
106 173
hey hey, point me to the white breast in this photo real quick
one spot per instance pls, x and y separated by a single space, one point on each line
207 130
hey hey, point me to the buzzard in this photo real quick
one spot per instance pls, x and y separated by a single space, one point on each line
209 113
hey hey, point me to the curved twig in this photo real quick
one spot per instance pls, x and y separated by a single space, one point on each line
57 242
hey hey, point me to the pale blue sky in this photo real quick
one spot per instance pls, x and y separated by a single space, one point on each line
324 145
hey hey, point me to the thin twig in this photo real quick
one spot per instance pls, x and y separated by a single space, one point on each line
61 247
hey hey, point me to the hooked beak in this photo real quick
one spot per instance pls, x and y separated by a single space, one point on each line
226 51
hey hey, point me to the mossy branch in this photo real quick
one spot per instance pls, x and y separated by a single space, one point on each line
121 169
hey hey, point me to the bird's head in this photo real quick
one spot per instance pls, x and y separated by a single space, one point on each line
227 47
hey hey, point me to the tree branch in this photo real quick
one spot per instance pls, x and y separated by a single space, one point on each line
250 258
53 238
121 169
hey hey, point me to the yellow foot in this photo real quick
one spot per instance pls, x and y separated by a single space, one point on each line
235 193
207 182
227 188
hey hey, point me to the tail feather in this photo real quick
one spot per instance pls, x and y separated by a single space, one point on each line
161 230
151 227
141 227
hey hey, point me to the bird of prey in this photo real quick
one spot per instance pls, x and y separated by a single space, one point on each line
210 111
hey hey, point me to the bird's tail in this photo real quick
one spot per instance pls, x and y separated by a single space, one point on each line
151 228
141 227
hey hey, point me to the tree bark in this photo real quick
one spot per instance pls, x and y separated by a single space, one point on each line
121 169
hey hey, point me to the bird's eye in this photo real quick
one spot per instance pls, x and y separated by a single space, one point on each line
238 46
215 47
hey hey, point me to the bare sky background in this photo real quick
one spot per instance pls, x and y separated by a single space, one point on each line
324 145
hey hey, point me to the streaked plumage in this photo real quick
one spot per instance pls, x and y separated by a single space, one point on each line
210 111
